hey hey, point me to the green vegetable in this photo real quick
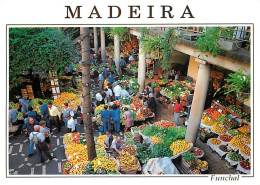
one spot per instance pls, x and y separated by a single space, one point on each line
89 169
83 140
234 156
188 157
128 135
161 150
234 132
126 101
150 130
67 165
130 143
143 153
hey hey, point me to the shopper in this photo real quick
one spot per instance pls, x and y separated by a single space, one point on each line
109 94
122 65
46 131
150 89
99 98
66 110
117 90
189 102
54 116
116 117
29 128
71 125
45 113
105 72
125 93
106 117
128 119
95 75
101 81
111 77
151 103
177 110
74 82
39 140
131 58
12 115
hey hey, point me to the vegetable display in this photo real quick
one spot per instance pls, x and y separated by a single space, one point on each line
245 150
160 150
100 108
156 140
126 101
240 140
237 110
143 153
234 132
244 129
234 156
188 157
224 148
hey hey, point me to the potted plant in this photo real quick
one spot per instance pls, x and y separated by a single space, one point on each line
239 84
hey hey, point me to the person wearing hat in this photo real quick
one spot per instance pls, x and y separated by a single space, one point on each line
46 132
71 125
151 103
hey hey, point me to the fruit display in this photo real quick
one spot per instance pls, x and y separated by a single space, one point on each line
130 149
67 139
208 121
234 132
156 140
164 124
202 164
127 161
244 149
209 111
78 169
100 108
77 153
76 101
59 101
218 128
214 141
231 123
225 137
76 137
245 164
162 82
215 114
234 156
136 104
73 106
179 146
197 152
240 140
68 95
244 129
224 148
237 110
102 162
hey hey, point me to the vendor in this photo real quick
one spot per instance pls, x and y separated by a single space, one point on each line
150 89
117 145
108 140
29 125
125 93
12 115
177 110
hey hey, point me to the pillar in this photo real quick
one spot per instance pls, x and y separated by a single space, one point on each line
117 52
95 39
141 68
198 102
103 45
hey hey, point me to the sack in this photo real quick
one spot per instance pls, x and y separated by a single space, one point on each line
35 138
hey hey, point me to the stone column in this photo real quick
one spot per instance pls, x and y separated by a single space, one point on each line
141 69
198 102
117 52
95 39
103 45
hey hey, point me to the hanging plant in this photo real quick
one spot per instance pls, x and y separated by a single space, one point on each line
122 32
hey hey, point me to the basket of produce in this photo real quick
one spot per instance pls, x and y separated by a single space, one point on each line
225 138
245 151
239 141
179 147
188 160
130 149
244 167
143 153
218 129
197 152
66 166
244 129
213 143
106 164
222 150
76 137
67 139
233 158
129 164
130 142
129 136
79 168
202 165
76 153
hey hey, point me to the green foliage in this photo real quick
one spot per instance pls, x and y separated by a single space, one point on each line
208 41
38 48
238 82
122 32
161 150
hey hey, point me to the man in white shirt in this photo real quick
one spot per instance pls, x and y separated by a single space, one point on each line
109 94
99 98
125 93
71 125
131 58
117 90
55 116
